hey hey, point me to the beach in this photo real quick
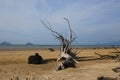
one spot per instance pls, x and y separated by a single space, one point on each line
14 63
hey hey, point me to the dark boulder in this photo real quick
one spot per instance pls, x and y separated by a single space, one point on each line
35 59
51 49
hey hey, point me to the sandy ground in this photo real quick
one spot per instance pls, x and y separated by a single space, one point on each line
14 64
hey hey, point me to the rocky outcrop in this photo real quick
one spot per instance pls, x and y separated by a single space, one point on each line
35 59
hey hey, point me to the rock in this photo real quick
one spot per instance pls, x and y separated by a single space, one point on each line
51 49
35 59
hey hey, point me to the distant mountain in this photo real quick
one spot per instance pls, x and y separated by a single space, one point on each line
29 44
111 43
5 43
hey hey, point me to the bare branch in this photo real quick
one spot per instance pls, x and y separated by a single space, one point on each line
71 39
53 32
78 51
71 35
57 35
115 49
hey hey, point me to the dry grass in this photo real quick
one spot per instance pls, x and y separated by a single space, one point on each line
13 64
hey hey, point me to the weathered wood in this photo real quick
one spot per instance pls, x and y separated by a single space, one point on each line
115 49
107 78
65 49
69 62
116 69
118 52
118 58
106 56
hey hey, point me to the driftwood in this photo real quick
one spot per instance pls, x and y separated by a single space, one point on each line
35 59
118 58
65 49
106 56
107 78
26 78
117 51
118 54
65 64
116 69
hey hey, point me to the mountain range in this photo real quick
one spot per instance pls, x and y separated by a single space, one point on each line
9 44
109 43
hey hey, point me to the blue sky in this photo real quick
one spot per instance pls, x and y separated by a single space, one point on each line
93 21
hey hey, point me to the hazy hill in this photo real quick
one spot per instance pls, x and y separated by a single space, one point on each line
29 44
110 43
5 43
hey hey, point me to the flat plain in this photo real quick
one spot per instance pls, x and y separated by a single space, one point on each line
14 64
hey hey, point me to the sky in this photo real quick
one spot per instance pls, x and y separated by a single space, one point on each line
93 21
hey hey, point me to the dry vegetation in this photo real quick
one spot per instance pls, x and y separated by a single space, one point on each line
13 65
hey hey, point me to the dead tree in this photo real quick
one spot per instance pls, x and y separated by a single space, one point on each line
65 49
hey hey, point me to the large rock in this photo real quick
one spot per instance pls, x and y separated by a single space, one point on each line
35 59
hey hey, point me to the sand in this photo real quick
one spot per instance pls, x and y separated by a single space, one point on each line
13 63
